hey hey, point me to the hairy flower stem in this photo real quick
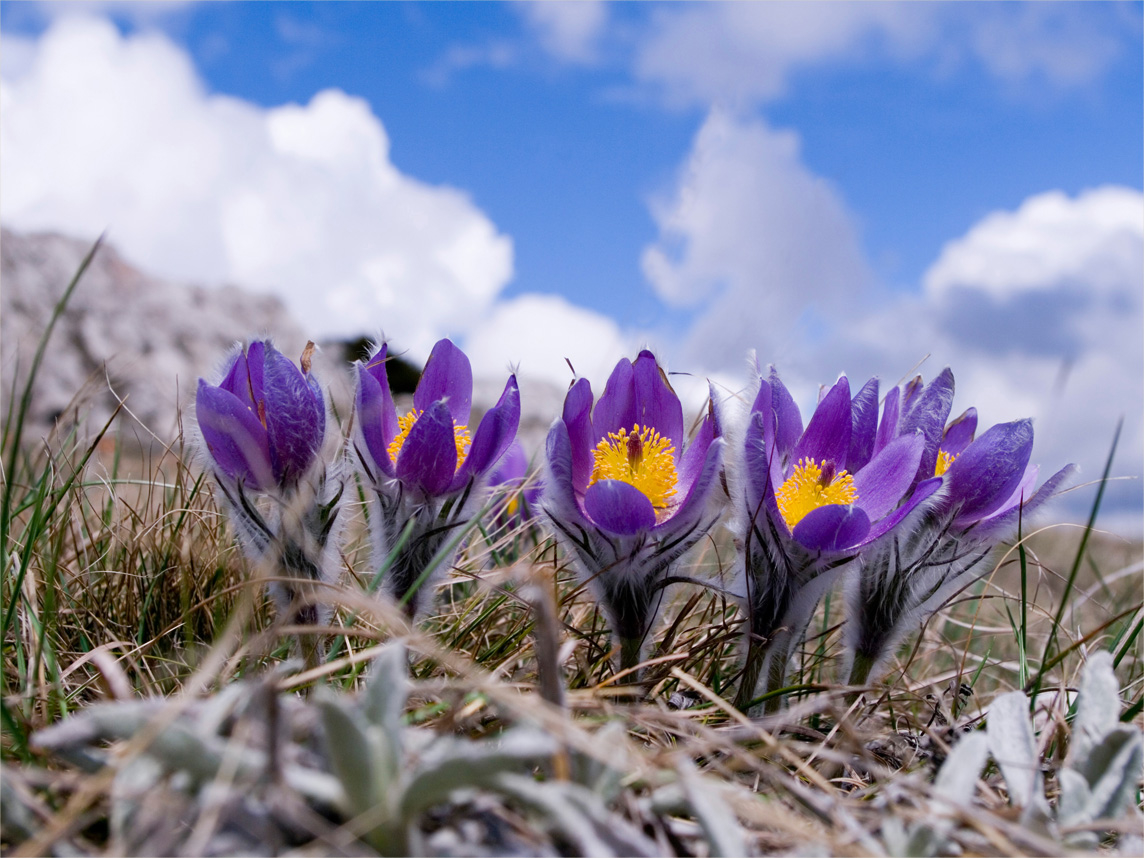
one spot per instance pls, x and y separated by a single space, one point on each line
859 673
776 677
756 655
294 549
630 656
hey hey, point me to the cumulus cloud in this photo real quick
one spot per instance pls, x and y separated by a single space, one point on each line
1037 310
746 53
1039 313
568 30
761 248
1067 271
102 131
541 334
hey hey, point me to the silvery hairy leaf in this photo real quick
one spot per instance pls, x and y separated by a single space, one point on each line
1109 775
1013 746
953 788
383 704
1097 707
579 815
602 779
724 835
451 764
1105 759
352 755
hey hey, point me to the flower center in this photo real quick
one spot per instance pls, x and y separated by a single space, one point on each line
944 460
405 425
811 486
642 458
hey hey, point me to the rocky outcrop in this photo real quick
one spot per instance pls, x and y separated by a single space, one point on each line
123 335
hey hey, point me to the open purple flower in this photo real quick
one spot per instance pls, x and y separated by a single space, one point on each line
626 496
809 500
977 490
426 470
263 427
264 423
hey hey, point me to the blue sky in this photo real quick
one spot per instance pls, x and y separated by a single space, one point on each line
807 180
563 156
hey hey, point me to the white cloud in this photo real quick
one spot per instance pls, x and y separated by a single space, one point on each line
1038 310
540 334
1049 41
102 130
1051 238
751 239
17 56
1059 287
569 29
746 53
497 54
1040 313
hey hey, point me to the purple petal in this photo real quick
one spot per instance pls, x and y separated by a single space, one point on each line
295 423
237 379
235 438
387 411
909 393
827 436
864 414
447 376
616 409
694 456
375 417
496 431
985 475
959 433
788 419
619 507
428 458
1006 519
885 481
1023 491
762 473
888 428
656 404
696 494
924 490
832 528
928 412
559 496
577 416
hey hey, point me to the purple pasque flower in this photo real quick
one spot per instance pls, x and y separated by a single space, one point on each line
264 423
426 471
807 501
981 488
624 493
263 427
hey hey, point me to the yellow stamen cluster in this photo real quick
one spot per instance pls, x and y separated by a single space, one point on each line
641 458
944 460
809 488
405 425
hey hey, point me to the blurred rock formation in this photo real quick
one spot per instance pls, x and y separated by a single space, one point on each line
123 334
